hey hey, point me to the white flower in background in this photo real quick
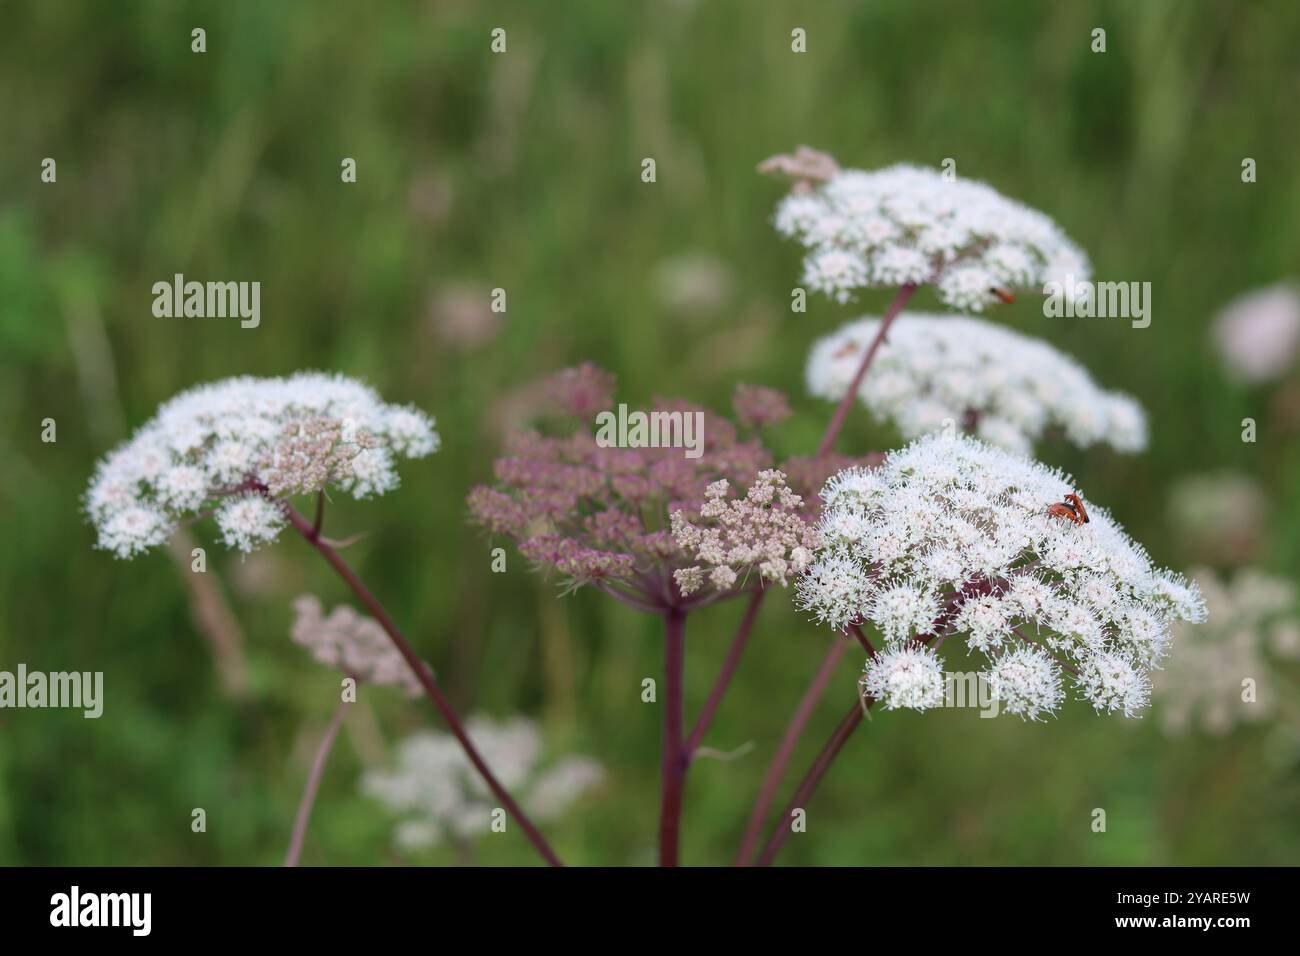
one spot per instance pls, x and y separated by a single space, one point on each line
250 438
353 643
1258 334
909 224
937 371
1254 623
951 536
565 782
439 796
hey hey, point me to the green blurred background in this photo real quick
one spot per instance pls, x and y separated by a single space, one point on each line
522 171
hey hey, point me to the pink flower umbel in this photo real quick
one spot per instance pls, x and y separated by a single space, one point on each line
581 391
351 642
764 531
600 516
758 406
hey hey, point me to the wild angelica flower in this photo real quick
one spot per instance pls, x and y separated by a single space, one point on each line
765 532
950 536
1026 682
905 675
908 224
438 795
232 444
352 643
1258 333
935 372
248 522
601 516
1228 671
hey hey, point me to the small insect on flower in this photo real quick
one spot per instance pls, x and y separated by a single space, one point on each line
1071 510
1003 294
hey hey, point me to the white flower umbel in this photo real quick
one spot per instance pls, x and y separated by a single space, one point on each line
234 444
437 792
908 224
947 371
1235 669
951 536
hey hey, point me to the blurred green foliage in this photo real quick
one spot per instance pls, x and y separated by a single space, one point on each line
521 171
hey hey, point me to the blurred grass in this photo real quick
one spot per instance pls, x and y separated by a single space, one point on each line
521 171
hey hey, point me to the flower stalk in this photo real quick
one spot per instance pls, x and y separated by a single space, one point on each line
776 770
729 665
427 681
313 785
674 754
850 396
839 737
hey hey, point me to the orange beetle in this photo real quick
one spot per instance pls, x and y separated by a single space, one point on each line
1071 510
1077 502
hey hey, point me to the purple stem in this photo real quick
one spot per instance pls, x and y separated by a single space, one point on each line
724 677
624 598
824 759
842 412
673 766
1034 642
856 631
839 737
425 677
313 784
320 513
814 776
767 793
